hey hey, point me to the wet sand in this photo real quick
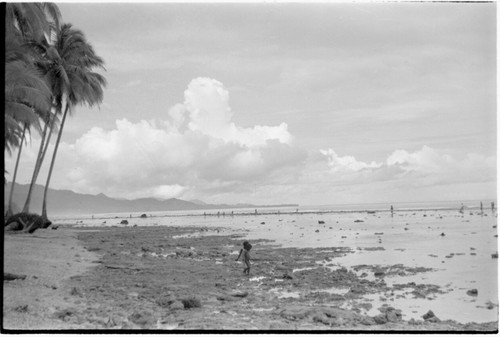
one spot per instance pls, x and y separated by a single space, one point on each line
163 278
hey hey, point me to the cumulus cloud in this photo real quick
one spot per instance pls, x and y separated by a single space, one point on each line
346 163
207 104
426 166
425 160
196 146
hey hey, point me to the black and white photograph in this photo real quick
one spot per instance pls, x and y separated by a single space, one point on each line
255 166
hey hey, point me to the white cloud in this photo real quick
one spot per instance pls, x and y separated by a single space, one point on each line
197 146
346 163
423 167
426 160
207 103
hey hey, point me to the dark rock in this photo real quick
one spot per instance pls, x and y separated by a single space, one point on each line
144 216
287 277
317 230
320 222
11 277
55 227
472 292
430 317
379 273
21 308
124 222
191 302
442 234
358 221
494 255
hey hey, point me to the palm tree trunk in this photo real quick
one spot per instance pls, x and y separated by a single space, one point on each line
44 204
9 207
39 161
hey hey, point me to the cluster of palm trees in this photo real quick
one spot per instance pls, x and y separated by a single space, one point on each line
49 69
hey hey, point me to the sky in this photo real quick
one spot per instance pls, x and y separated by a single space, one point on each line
271 103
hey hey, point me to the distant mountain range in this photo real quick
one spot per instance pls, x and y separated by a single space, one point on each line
65 202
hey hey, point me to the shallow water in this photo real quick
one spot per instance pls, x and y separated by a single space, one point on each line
461 259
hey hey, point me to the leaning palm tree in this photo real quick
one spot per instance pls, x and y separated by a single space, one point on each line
51 66
27 98
26 93
73 82
49 128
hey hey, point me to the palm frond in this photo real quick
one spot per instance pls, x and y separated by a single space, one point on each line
22 113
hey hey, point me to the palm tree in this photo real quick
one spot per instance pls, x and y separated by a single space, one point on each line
31 20
73 81
26 93
50 65
27 98
44 144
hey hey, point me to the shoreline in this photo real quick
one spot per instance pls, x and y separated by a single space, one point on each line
145 277
221 213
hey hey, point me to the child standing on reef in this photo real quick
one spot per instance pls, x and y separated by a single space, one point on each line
246 256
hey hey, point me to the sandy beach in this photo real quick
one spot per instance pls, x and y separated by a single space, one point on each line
48 259
159 277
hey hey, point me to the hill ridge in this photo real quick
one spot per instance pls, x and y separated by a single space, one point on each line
63 202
